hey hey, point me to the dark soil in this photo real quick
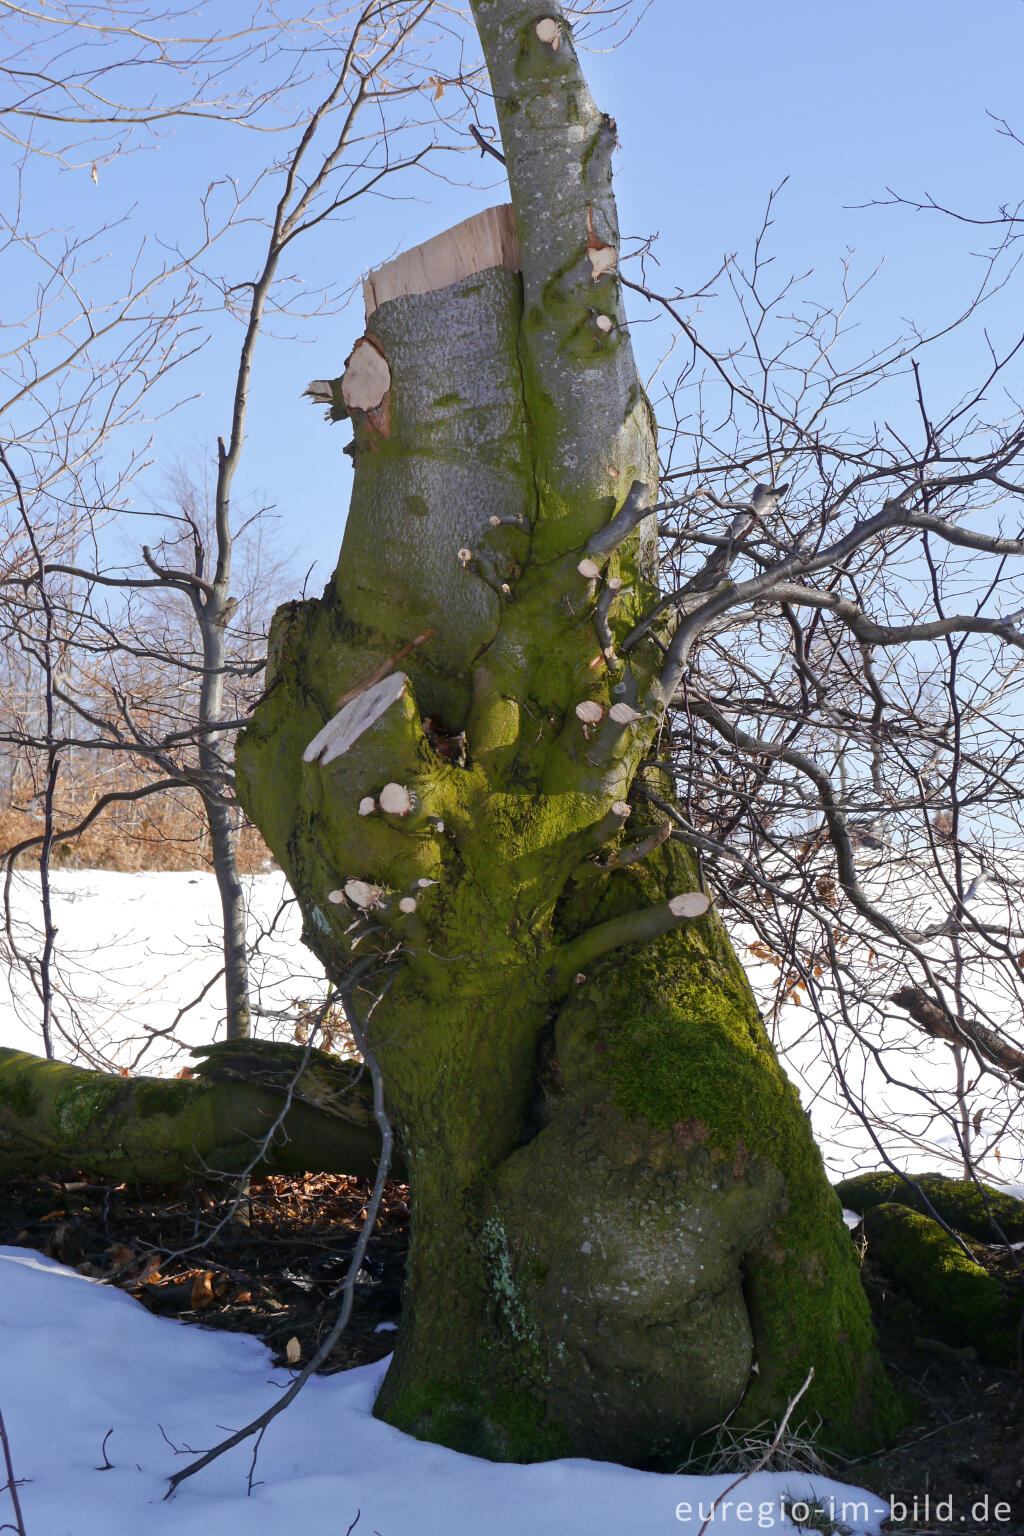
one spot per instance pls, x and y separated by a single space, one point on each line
271 1269
274 1274
966 1444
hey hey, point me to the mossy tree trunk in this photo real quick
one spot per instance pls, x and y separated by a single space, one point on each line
256 1107
622 1228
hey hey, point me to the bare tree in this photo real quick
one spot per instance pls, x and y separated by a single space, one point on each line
505 772
845 678
370 61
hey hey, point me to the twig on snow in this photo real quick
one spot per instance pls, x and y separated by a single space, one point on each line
12 1483
259 1425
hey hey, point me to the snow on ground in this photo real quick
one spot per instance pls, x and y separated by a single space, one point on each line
135 950
80 1359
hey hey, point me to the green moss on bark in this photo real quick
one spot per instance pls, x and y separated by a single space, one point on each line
167 1098
19 1094
956 1295
501 1424
675 1031
84 1101
976 1209
587 1256
56 1117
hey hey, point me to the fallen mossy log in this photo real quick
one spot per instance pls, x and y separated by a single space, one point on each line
289 1108
956 1294
977 1210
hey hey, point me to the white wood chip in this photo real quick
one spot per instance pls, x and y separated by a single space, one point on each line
396 800
355 718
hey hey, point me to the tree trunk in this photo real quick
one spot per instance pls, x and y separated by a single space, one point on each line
622 1229
289 1109
213 615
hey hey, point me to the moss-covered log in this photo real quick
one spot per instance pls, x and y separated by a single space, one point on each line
312 1112
622 1230
959 1299
977 1210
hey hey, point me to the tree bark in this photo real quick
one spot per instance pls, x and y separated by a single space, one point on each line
291 1110
622 1229
213 615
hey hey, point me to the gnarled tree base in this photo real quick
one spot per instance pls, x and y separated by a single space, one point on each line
661 1252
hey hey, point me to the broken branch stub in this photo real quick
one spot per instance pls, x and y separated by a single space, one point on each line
355 718
637 927
602 256
362 894
396 800
367 377
634 853
549 32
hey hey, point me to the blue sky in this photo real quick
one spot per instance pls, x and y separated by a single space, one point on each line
715 106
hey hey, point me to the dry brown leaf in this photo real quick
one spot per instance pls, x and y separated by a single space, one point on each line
203 1294
293 1351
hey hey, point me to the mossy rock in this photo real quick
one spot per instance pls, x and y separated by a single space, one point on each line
959 1298
960 1204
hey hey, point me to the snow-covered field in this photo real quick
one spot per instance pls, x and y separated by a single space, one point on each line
138 954
138 984
138 964
80 1359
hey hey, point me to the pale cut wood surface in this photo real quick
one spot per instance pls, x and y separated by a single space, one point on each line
488 239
